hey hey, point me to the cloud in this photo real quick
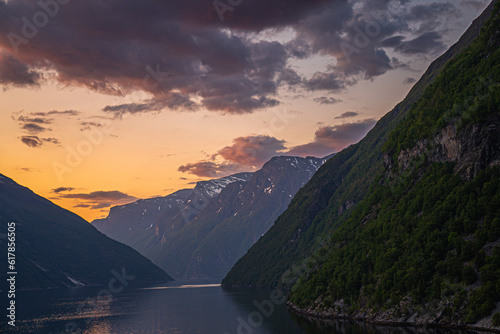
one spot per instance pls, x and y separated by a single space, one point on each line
208 169
51 140
290 77
428 16
409 80
101 205
82 206
246 153
348 114
14 72
31 141
29 170
428 43
97 199
62 189
328 81
57 112
90 125
38 120
35 141
476 5
191 55
34 128
172 101
251 150
330 139
100 195
30 124
327 100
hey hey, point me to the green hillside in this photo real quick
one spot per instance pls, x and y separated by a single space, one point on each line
427 236
329 198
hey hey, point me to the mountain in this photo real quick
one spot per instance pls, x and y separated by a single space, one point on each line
223 231
56 248
404 226
134 223
203 233
146 224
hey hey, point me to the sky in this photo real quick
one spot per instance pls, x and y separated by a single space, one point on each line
103 102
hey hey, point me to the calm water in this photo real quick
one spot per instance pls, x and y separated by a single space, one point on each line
175 309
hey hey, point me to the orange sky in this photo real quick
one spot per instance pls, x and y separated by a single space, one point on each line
139 155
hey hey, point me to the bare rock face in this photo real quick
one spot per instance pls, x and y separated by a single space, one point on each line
472 148
479 147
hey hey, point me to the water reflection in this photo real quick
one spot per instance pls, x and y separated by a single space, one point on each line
176 308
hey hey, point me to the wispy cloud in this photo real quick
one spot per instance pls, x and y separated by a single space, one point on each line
209 169
96 199
62 189
330 139
348 114
327 100
36 123
35 141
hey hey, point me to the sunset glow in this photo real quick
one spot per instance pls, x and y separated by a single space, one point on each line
114 110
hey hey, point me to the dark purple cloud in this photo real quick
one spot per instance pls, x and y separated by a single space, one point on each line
30 124
195 54
330 139
251 150
38 120
427 16
426 43
33 128
327 100
31 141
246 153
56 112
100 195
348 114
35 141
208 169
98 199
16 73
409 80
62 189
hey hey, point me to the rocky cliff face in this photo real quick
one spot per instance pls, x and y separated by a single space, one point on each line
473 148
423 246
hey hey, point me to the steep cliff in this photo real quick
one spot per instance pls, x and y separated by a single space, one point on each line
403 227
423 247
326 202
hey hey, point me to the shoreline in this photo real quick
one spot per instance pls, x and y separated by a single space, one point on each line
313 315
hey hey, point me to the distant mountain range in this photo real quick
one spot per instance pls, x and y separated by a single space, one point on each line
56 248
201 233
